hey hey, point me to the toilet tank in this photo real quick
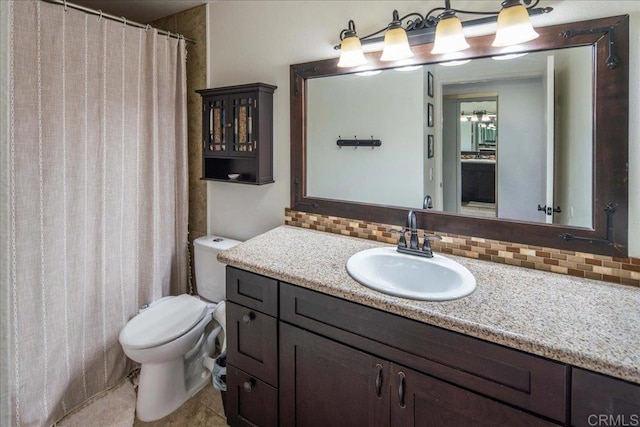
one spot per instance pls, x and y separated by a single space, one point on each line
210 277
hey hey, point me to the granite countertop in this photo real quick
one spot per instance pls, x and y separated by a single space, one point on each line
585 323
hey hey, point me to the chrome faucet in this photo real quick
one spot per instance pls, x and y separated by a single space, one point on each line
413 229
413 248
427 203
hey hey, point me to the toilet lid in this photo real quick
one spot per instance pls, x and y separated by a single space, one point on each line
163 322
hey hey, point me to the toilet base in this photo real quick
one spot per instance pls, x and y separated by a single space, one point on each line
164 387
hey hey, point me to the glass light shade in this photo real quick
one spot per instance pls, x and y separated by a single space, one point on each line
449 36
514 27
396 45
351 54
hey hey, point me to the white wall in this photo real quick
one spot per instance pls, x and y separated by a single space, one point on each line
366 106
573 190
257 41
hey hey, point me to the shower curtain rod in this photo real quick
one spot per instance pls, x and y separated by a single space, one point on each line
117 18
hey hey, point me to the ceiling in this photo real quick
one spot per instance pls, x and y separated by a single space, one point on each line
141 11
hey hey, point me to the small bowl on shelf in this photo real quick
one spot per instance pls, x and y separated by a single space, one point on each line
233 176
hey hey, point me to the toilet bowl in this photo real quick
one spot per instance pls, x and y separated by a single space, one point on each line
174 338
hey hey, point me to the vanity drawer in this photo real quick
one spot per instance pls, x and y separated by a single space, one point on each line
252 342
252 290
250 402
527 381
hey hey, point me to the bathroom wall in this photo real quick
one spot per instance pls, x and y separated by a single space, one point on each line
192 24
257 41
364 175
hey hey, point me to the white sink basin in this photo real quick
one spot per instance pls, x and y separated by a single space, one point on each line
409 276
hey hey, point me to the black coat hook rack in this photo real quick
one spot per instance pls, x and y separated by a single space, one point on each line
358 142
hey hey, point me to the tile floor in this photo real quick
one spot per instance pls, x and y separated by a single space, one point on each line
203 409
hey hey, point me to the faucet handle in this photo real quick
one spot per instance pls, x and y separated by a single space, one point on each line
402 240
432 236
426 242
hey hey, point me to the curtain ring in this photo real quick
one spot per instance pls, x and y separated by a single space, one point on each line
100 16
65 5
124 21
147 27
168 35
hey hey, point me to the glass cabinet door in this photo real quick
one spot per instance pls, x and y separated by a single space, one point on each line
243 141
218 126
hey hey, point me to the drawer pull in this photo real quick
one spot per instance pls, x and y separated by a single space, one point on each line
378 380
401 387
248 385
247 318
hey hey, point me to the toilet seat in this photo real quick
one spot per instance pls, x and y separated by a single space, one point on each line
163 322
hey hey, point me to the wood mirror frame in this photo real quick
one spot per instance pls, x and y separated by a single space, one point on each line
610 147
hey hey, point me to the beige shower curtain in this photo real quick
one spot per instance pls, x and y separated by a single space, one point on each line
97 198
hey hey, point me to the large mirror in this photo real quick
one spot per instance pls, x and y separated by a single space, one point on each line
519 150
544 100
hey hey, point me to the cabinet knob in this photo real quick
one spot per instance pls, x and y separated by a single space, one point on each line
248 385
247 318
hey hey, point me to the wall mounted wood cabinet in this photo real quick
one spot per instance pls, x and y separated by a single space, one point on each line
237 133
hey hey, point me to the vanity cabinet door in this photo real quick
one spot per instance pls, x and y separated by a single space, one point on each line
323 383
421 400
601 400
252 342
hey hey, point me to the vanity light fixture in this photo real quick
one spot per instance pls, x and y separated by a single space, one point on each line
449 36
514 25
351 54
477 116
396 42
441 26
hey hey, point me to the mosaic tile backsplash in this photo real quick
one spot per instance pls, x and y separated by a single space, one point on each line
624 271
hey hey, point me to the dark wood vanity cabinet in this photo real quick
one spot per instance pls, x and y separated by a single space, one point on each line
478 182
309 359
237 133
324 383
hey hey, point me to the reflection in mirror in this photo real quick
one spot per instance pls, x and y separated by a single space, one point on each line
474 147
541 160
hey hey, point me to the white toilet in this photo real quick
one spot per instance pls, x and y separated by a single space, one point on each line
168 338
